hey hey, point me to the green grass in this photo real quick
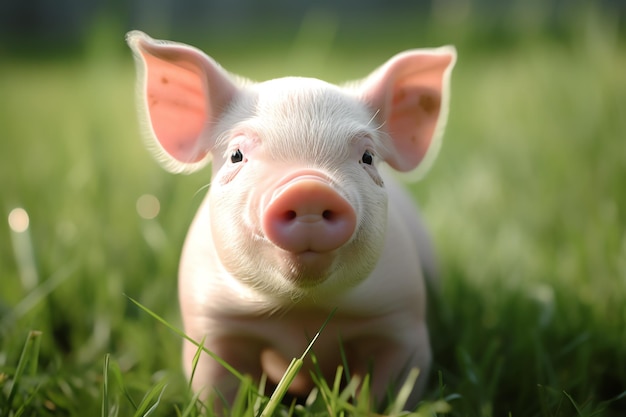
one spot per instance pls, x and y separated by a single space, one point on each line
526 202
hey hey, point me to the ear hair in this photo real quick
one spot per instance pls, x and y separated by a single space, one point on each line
181 92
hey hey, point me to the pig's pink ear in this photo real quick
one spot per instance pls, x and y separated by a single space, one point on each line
181 92
410 93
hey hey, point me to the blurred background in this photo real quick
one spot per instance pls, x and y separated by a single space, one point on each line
59 26
526 201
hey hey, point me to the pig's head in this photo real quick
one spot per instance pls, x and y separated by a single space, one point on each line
297 204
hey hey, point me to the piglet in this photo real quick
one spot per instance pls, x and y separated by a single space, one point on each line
301 217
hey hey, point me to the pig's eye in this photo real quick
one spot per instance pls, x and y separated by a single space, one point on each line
367 158
236 156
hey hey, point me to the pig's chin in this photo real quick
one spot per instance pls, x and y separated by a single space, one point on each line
308 268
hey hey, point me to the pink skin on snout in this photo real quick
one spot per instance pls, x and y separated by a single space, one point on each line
307 218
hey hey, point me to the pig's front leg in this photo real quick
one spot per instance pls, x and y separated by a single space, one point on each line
390 360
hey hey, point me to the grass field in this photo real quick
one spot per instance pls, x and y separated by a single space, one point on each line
526 202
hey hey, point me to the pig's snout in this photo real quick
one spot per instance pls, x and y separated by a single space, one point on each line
308 215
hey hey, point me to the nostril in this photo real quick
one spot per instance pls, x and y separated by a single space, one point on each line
291 215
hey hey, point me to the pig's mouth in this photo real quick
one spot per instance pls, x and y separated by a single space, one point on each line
309 268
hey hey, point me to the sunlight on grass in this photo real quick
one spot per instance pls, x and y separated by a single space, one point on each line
23 247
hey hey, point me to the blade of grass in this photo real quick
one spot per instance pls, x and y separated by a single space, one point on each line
196 359
144 408
105 386
364 399
292 408
344 361
337 382
329 396
291 372
405 391
242 399
434 408
34 360
336 387
26 402
258 403
310 346
319 380
350 391
120 382
191 406
335 401
189 339
282 387
571 400
38 293
29 356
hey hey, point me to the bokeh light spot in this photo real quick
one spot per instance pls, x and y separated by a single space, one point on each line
148 206
18 220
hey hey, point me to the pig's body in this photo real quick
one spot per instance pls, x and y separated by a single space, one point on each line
300 219
380 321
